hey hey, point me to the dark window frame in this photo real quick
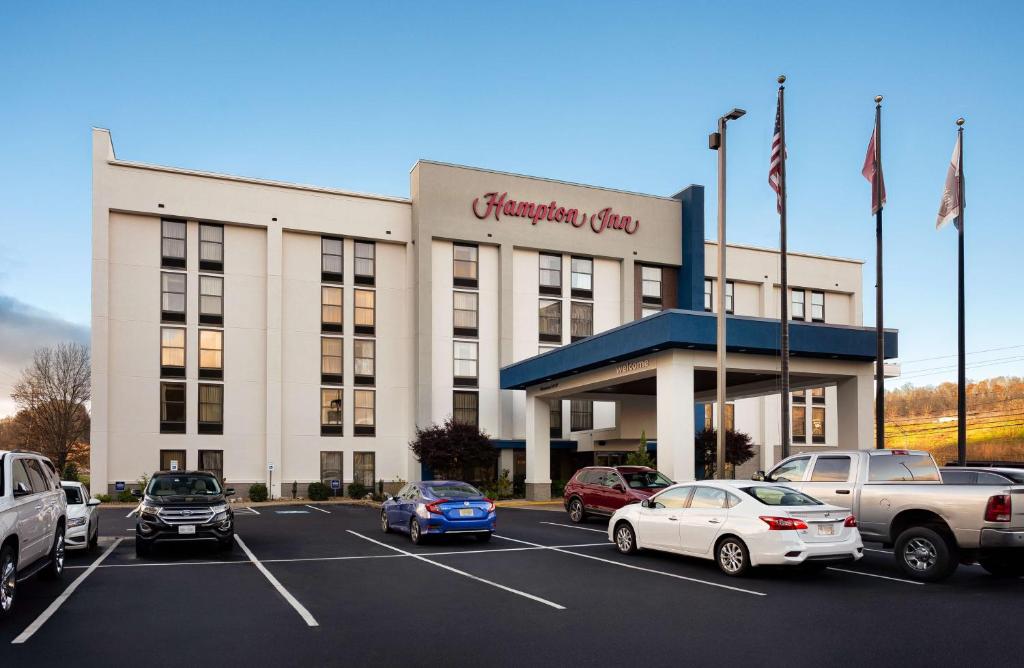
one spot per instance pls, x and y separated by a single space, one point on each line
364 279
793 304
362 378
358 328
730 297
465 281
333 327
800 432
461 380
173 261
209 372
555 427
211 318
170 452
816 438
466 331
211 265
327 378
202 466
332 276
573 320
333 428
549 336
174 370
356 475
209 426
474 409
817 293
652 300
364 429
168 315
586 417
581 292
709 295
173 426
546 288
326 468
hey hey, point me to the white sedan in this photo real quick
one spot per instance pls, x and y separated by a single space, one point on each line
739 524
83 529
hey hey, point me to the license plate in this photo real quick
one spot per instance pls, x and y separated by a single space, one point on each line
826 530
465 512
187 529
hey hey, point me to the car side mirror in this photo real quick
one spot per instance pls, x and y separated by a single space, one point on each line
137 493
21 489
759 476
646 503
229 491
93 502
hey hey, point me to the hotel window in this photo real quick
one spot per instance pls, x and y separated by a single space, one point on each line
800 424
818 395
730 417
365 412
172 352
650 285
363 469
465 354
709 295
331 301
211 300
172 243
365 268
331 412
211 247
465 265
211 354
364 362
212 461
172 460
550 321
172 297
648 310
331 466
818 306
330 260
466 408
582 277
550 274
581 415
211 409
365 311
798 305
800 397
581 320
818 424
730 292
464 315
172 408
331 366
556 418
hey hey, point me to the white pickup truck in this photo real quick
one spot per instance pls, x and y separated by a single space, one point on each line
32 520
899 500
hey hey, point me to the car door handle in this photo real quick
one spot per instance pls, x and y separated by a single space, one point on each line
714 521
842 491
674 519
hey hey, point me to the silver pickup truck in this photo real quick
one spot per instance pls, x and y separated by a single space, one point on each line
900 501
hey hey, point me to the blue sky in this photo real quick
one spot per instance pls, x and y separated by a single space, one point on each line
613 94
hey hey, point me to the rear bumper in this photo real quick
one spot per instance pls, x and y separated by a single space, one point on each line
440 525
1002 538
796 552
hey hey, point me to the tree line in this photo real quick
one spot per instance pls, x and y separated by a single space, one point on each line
993 395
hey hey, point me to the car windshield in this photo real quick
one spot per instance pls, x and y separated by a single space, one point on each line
781 496
1016 476
74 495
645 479
453 490
199 484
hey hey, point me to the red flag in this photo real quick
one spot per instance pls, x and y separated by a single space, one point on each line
868 170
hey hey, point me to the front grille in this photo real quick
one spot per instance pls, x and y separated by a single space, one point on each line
175 516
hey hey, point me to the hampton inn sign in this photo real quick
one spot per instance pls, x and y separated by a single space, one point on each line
605 219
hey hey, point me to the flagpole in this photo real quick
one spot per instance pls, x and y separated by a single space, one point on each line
783 276
879 310
961 403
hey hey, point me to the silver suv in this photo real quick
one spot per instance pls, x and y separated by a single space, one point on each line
32 520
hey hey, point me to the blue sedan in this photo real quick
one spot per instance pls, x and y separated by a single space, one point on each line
438 507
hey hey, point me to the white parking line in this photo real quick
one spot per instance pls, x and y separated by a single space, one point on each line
134 510
874 575
573 526
320 509
65 595
252 510
638 568
299 608
463 573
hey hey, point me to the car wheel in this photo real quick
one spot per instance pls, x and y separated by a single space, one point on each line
55 569
576 512
415 533
484 537
1002 566
384 526
8 579
94 541
926 555
732 556
625 538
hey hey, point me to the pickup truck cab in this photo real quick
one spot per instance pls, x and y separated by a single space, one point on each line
899 500
32 521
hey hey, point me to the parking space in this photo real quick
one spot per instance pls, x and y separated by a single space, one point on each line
324 583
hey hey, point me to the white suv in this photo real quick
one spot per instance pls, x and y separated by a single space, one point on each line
32 520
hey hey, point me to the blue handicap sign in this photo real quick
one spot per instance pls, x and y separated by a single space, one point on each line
335 484
119 486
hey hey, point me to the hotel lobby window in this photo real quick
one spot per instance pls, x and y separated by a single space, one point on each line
364 361
365 311
550 274
172 297
464 315
730 417
365 262
172 352
797 309
211 247
650 288
800 424
550 320
465 265
818 306
818 424
330 260
555 416
466 408
331 367
582 277
365 415
581 320
364 469
331 412
464 354
172 243
331 309
211 300
581 415
211 409
211 354
172 408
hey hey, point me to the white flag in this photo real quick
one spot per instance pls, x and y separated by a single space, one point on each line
949 207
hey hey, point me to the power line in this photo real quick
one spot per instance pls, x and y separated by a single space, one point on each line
973 352
920 373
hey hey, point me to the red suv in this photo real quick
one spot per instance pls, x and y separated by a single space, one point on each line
601 490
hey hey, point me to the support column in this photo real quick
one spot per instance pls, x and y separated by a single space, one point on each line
507 462
274 384
538 448
675 416
854 401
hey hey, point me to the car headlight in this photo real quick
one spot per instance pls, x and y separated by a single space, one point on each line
219 512
75 522
147 509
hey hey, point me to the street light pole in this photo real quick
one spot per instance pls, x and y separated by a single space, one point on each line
717 142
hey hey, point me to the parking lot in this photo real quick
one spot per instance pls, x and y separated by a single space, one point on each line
324 584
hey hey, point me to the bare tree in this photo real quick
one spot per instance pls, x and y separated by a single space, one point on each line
51 396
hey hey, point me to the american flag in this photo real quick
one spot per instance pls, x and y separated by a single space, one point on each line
778 151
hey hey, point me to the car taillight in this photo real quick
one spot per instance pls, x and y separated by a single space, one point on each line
783 523
851 521
433 509
998 508
490 505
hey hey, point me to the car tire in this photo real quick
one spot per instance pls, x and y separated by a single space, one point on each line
925 554
384 526
142 548
55 569
484 537
94 541
732 556
1003 566
577 514
625 538
8 579
415 532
